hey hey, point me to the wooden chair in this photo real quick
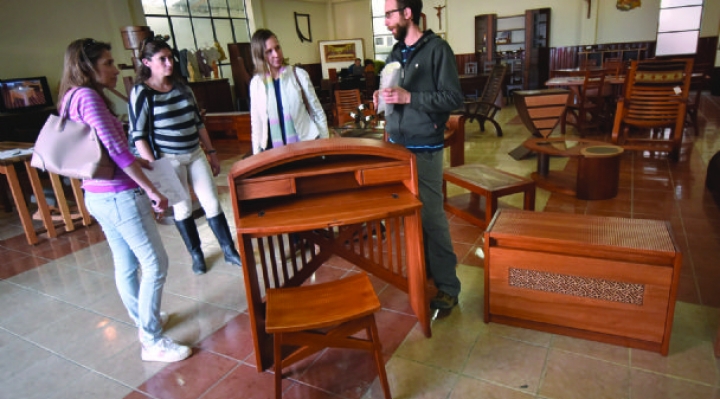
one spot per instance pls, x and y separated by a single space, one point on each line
614 67
347 101
484 108
698 83
587 108
652 101
299 317
455 139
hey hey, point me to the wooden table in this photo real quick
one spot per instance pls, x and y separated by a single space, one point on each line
7 167
598 171
239 122
607 279
488 183
298 205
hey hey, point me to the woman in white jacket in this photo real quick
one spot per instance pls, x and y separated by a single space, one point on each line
277 112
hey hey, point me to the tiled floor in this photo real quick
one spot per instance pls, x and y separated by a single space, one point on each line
64 333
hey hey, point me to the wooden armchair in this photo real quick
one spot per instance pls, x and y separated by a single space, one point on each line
656 94
484 109
347 101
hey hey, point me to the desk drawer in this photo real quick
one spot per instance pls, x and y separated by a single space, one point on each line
367 177
248 190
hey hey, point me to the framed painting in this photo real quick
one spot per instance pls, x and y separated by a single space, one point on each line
340 54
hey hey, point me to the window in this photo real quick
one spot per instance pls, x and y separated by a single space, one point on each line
678 27
194 24
383 39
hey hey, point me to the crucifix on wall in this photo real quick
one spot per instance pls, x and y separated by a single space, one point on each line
589 4
439 14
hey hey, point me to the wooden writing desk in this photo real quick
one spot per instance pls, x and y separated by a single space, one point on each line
7 167
331 195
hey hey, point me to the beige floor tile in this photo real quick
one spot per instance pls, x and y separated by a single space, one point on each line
214 287
570 376
697 321
598 350
69 283
17 355
408 379
93 386
507 362
521 334
56 373
689 358
84 337
43 310
447 349
471 388
191 320
644 384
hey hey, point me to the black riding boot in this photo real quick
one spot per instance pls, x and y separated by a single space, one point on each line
189 233
220 228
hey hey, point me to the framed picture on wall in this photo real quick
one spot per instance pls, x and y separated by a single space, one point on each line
339 54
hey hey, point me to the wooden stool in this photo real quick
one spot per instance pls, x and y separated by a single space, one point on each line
489 183
598 175
347 305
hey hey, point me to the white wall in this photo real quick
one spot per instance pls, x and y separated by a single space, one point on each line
569 23
279 17
35 33
354 21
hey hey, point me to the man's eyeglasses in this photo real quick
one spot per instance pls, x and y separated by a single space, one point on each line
389 14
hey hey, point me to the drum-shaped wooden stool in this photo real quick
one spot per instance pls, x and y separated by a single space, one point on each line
294 316
599 172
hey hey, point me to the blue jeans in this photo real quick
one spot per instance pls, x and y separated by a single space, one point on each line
128 223
440 259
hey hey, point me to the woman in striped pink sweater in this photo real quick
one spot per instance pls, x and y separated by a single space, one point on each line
124 204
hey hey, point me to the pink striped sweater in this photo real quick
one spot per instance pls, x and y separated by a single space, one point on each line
88 107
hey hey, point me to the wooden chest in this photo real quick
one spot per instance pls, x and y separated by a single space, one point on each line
601 278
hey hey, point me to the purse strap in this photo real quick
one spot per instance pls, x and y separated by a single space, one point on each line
304 97
64 111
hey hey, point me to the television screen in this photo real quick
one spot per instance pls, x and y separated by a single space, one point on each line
23 94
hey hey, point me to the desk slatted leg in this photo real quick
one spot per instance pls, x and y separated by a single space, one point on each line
41 200
80 201
20 205
62 201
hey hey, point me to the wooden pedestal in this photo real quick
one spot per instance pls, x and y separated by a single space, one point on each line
601 278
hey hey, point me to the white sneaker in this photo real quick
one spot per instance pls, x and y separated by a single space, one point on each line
165 350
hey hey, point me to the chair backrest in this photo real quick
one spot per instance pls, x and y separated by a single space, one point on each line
592 85
656 91
332 75
347 100
493 86
614 67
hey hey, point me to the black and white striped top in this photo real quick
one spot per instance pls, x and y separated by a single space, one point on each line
175 118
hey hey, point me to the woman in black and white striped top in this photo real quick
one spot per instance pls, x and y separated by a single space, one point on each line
165 122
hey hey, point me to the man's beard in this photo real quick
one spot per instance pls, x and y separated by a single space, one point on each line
400 32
